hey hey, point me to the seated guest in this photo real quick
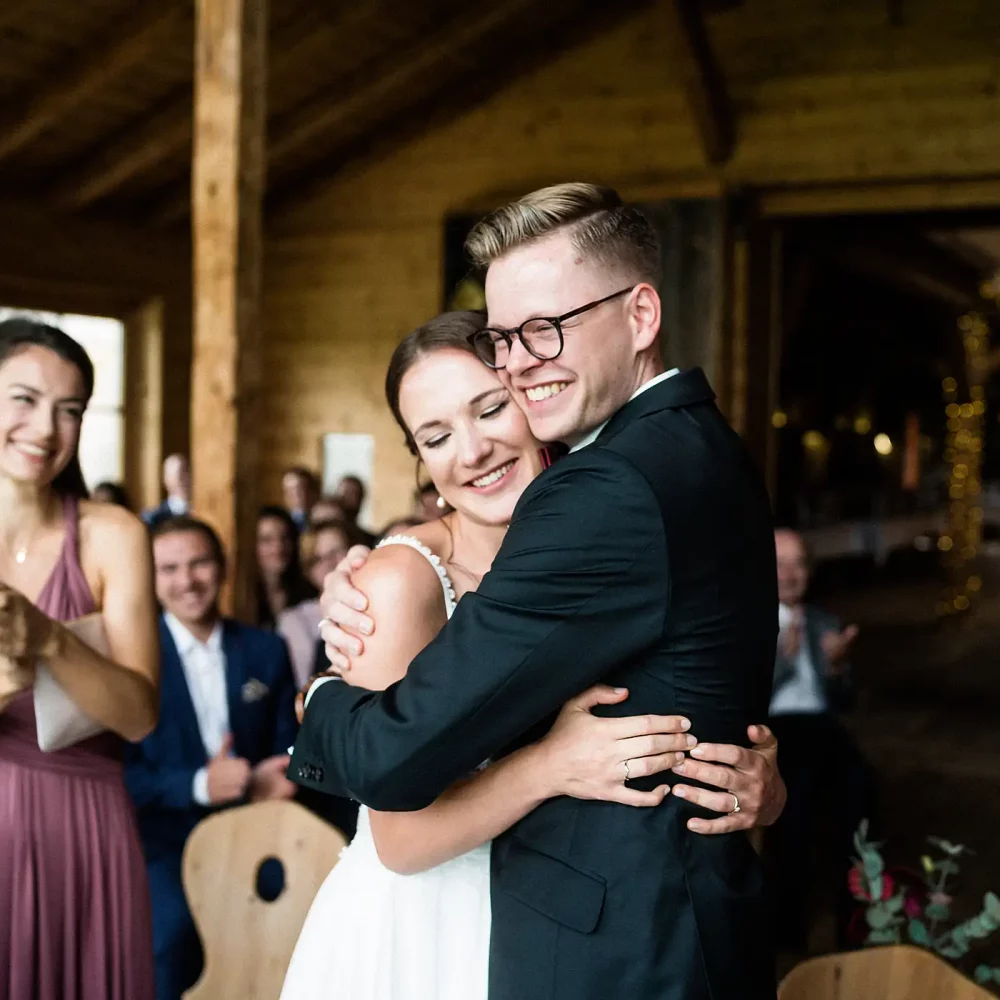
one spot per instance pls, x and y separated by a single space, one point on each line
301 490
326 509
281 583
177 484
112 493
227 717
821 765
351 495
323 546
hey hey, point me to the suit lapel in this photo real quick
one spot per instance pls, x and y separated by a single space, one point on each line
176 695
236 677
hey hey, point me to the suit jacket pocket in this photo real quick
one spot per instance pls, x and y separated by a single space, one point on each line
549 885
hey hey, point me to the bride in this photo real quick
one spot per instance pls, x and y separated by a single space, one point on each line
405 914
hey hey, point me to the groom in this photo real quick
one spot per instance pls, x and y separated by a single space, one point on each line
643 559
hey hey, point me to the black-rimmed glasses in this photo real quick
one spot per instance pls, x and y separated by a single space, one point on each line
541 336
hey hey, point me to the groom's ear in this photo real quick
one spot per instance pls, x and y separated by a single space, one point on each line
644 315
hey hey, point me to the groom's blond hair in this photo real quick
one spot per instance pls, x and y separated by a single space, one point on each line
601 226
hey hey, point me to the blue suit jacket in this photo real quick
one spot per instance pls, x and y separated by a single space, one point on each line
160 770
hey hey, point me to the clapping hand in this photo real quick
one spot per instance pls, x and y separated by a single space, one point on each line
25 635
837 645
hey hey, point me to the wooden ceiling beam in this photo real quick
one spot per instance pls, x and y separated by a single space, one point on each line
168 132
697 70
347 100
96 67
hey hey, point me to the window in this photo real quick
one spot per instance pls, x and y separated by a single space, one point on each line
101 439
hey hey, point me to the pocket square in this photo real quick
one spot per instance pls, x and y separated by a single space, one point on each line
254 690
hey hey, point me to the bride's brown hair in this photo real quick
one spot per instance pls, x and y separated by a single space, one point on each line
449 331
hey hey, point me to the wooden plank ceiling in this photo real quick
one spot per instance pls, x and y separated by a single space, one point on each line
96 95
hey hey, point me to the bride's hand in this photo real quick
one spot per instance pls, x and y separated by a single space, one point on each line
590 757
342 606
25 632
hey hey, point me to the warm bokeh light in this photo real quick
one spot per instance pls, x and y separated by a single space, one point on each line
883 444
813 441
779 418
862 424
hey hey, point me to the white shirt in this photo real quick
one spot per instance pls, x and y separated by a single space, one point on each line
802 694
204 665
596 432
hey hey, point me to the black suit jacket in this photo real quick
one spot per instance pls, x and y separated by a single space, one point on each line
645 560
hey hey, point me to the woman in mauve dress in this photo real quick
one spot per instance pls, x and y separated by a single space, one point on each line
74 905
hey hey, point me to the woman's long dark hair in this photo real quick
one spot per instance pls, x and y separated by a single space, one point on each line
449 331
293 581
19 333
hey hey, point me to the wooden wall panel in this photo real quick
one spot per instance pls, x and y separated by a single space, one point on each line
825 94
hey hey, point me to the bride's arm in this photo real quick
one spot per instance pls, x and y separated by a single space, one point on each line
581 756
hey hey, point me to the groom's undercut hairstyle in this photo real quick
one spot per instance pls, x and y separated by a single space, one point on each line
602 228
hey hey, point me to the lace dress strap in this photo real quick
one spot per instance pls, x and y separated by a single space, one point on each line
446 585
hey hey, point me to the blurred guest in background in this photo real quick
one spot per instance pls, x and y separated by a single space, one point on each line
226 720
323 546
821 765
113 493
74 910
400 526
326 509
177 484
351 494
281 583
301 490
426 505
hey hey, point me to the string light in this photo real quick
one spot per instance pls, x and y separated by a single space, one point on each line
963 452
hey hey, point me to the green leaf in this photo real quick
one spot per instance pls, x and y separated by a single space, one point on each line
878 916
936 911
917 930
950 951
991 904
873 864
948 867
883 936
954 850
895 903
983 975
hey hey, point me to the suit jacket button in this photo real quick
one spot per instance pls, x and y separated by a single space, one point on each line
319 774
302 772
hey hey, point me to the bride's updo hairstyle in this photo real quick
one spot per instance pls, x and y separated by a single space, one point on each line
449 331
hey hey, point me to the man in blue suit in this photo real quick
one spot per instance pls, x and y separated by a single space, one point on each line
227 717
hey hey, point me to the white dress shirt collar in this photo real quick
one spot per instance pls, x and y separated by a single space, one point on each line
186 643
596 432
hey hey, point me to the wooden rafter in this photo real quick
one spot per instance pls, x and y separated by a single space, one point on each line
697 70
82 78
167 133
348 100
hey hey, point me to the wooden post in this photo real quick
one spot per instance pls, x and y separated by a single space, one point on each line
144 403
227 193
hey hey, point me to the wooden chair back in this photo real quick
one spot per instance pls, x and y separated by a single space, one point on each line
247 941
896 972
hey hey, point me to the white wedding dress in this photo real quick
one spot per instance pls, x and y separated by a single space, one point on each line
374 935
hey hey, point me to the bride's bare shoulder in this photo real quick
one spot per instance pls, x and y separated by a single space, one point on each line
399 575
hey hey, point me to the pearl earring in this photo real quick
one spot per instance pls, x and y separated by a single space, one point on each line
441 503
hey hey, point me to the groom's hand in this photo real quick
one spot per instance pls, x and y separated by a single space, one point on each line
342 605
748 776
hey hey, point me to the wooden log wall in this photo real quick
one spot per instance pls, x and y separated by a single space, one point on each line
823 95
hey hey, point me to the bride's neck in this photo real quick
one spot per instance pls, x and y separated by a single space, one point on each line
474 544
